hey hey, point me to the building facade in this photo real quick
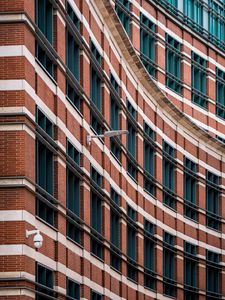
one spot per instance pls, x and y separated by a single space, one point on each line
138 216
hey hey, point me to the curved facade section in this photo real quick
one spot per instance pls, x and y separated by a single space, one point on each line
137 216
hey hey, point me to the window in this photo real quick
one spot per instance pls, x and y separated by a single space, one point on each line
123 11
95 93
212 200
115 237
149 160
96 177
173 64
198 79
45 59
220 139
73 194
44 18
190 192
168 175
131 141
149 254
114 117
213 275
95 296
148 44
44 168
169 264
72 289
73 17
44 21
220 93
131 243
72 94
45 280
217 22
72 55
190 271
96 214
193 10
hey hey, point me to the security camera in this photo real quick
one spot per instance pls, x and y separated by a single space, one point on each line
38 239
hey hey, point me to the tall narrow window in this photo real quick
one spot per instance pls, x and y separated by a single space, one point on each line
148 44
131 243
73 193
44 18
96 214
114 116
72 54
149 160
169 264
220 93
149 254
190 271
115 230
45 279
173 64
193 10
44 168
95 93
213 200
72 15
217 22
131 141
123 11
198 80
44 21
72 289
213 275
168 175
190 191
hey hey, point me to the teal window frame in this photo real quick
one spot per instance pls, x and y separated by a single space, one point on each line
193 14
114 117
220 93
72 95
96 224
190 271
44 18
115 255
73 194
131 141
213 219
213 275
72 289
122 8
96 177
216 23
149 255
72 15
147 44
149 159
45 60
198 80
72 55
131 243
169 175
44 168
173 64
95 296
169 287
190 189
45 279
